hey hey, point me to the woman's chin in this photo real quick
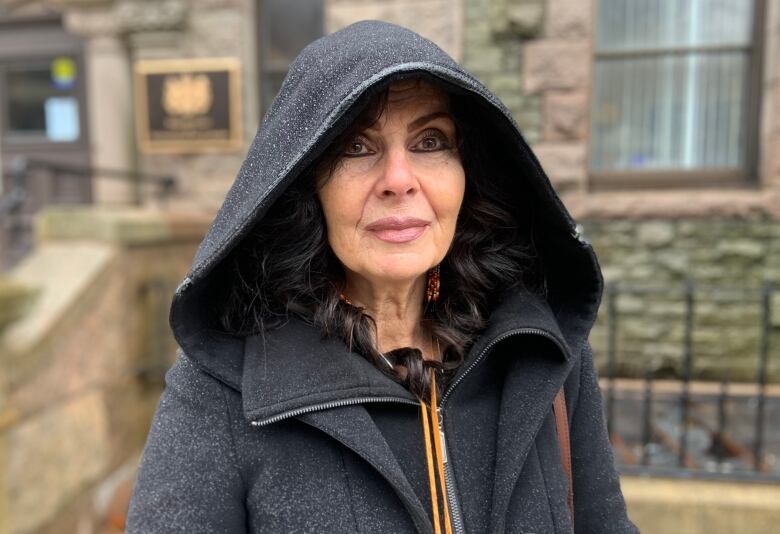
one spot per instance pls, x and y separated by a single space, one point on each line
399 273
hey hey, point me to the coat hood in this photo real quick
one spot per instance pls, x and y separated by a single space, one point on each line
316 102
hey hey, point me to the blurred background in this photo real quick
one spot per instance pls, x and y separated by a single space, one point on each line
123 124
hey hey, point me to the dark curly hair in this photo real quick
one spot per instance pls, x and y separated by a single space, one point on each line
285 266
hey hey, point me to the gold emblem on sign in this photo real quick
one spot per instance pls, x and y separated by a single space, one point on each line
187 94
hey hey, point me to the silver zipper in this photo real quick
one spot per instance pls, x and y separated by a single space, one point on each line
328 406
502 337
455 513
456 516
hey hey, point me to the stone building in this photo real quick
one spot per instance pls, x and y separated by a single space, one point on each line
659 127
657 121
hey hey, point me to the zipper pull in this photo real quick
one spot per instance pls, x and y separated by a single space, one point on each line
441 434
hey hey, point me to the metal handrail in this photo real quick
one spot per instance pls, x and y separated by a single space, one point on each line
22 166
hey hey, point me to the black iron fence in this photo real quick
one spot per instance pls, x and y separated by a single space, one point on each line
682 425
34 184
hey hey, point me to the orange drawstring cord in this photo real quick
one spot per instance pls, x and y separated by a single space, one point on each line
429 428
431 474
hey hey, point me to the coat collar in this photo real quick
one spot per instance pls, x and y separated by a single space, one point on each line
293 370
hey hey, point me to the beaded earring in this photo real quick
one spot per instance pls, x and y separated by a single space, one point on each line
433 286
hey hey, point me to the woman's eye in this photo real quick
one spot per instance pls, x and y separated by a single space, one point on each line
432 141
356 147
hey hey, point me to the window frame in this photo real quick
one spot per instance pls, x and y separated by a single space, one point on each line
50 41
266 66
746 177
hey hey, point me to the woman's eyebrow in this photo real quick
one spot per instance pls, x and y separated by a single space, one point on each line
416 123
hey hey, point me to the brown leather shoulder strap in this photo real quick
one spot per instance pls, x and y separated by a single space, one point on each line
562 428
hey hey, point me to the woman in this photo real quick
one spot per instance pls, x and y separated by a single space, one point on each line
389 245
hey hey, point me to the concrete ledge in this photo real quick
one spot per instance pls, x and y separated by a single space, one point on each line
64 449
663 505
64 274
126 226
677 204
15 300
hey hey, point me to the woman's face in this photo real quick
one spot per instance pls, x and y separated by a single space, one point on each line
392 202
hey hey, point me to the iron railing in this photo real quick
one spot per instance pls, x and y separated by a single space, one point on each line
686 426
22 169
32 180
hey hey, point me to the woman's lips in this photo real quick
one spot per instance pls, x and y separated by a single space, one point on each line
398 229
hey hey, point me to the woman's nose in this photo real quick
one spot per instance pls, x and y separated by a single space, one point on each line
398 178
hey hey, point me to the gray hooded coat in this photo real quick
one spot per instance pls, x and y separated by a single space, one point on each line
289 432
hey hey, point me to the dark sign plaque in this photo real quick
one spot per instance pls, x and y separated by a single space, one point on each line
188 105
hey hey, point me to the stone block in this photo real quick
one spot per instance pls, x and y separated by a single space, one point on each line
441 21
516 18
63 273
5 511
211 4
528 120
565 115
556 64
15 300
688 228
569 19
564 163
531 104
477 8
215 32
127 226
774 311
743 249
717 253
773 159
674 310
646 272
476 35
773 107
91 22
505 83
531 134
660 352
488 60
674 262
674 204
163 15
655 234
701 506
513 57
627 303
61 450
524 19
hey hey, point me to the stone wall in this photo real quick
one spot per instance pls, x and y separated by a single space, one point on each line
663 505
536 55
117 33
494 35
727 259
441 21
82 369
